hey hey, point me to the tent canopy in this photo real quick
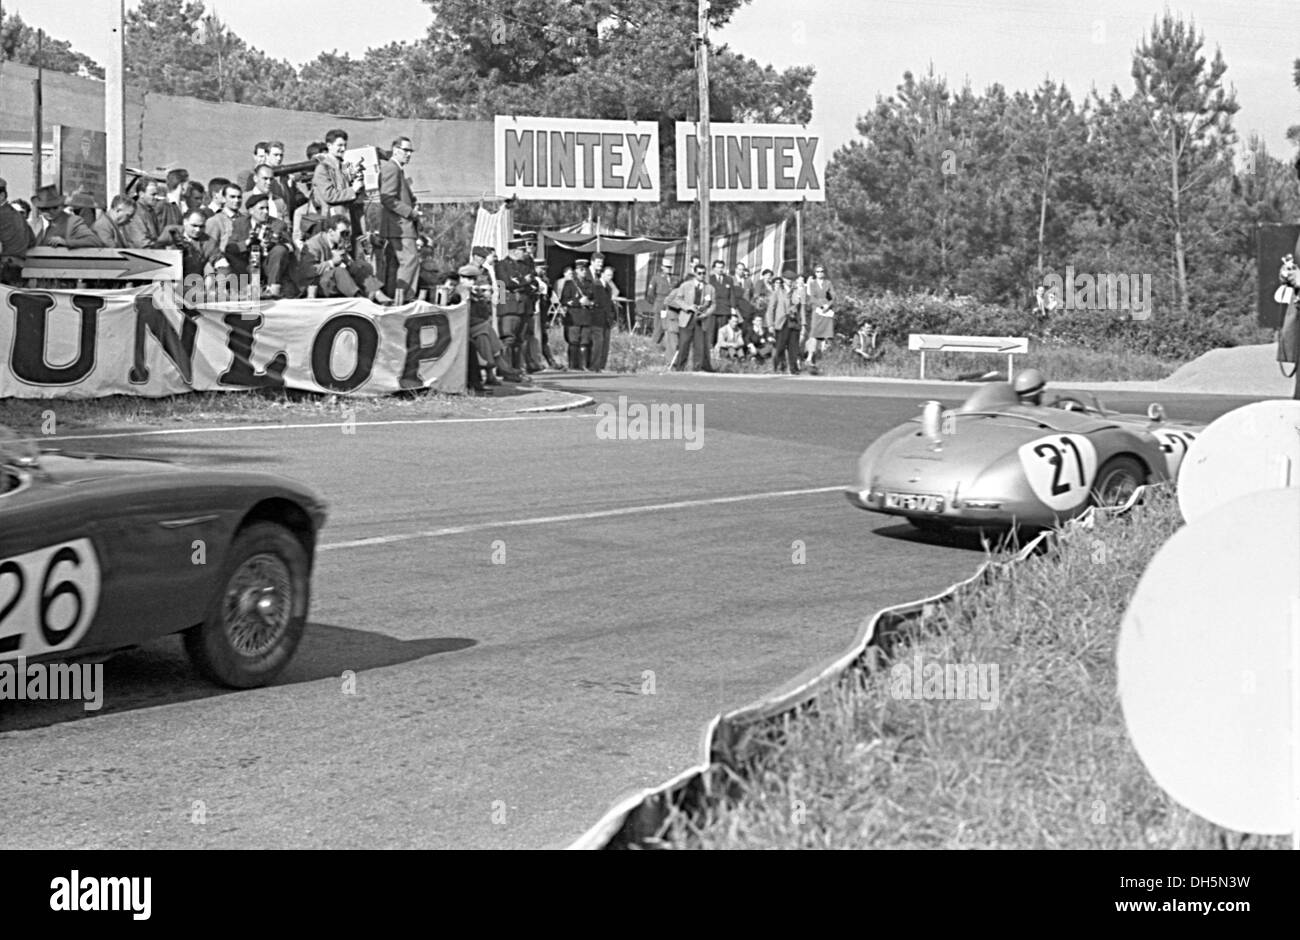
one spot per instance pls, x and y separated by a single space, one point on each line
613 244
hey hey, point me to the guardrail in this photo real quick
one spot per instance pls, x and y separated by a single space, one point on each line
730 739
937 342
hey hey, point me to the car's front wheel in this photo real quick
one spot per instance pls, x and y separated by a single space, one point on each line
259 612
1117 480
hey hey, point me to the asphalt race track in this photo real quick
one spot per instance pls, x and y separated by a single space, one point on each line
513 624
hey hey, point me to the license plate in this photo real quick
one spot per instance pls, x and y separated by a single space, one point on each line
914 502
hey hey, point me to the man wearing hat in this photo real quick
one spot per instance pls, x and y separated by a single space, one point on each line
578 298
603 315
539 344
258 232
15 236
59 228
656 297
518 292
483 341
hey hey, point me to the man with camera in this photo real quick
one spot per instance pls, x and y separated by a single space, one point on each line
484 344
693 303
327 265
337 187
271 239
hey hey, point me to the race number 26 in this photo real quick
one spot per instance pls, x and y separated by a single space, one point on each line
47 598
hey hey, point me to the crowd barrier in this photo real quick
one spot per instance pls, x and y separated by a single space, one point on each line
149 341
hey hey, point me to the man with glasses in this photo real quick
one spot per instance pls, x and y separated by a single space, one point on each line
399 223
693 302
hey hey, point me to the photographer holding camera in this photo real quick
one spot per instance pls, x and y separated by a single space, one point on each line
328 266
337 188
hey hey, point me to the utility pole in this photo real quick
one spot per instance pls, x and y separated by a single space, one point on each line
115 104
38 130
705 152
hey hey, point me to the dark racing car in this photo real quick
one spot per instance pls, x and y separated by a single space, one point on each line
98 554
1000 462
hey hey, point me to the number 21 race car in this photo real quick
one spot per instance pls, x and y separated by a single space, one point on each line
997 462
98 554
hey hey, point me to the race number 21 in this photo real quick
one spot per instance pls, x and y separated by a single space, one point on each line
1060 469
47 598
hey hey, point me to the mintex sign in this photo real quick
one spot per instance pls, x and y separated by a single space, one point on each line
754 163
563 158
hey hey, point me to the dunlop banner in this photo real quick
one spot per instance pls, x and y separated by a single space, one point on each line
564 158
754 163
88 344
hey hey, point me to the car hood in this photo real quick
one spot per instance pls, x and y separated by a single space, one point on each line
66 468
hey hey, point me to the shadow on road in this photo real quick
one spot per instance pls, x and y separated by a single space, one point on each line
159 673
976 540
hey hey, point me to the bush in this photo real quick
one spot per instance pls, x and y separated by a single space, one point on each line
1166 336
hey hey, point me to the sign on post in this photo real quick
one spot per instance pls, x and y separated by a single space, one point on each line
1008 345
82 158
571 159
754 163
116 264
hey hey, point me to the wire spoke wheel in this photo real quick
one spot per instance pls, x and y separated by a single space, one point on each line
1117 481
258 604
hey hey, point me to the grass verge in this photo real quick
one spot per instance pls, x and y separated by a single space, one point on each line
635 353
1051 766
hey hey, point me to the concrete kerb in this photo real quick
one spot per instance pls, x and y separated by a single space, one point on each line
640 819
576 401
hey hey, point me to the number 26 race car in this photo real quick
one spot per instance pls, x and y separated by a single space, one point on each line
998 462
98 554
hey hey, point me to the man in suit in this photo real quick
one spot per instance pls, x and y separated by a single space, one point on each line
264 182
112 227
656 296
245 177
724 292
143 230
695 304
399 223
59 228
328 265
199 255
172 210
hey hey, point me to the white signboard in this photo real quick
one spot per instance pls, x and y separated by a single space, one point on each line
564 158
754 163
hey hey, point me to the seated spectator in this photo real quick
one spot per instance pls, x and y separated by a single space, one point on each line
15 236
112 228
328 266
220 225
759 343
58 227
474 286
143 230
258 232
265 184
216 196
731 340
200 260
173 209
83 204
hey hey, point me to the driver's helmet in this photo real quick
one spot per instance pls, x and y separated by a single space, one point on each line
1028 386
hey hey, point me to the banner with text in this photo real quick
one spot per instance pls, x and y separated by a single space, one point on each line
753 163
566 158
143 341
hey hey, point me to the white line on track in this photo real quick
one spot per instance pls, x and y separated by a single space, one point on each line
295 427
571 517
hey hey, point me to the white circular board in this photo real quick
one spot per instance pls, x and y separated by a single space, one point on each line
1255 447
1204 662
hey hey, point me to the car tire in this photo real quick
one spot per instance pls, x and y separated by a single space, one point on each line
259 612
1116 481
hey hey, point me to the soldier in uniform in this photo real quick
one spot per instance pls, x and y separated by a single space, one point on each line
724 292
578 298
602 315
539 345
518 300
